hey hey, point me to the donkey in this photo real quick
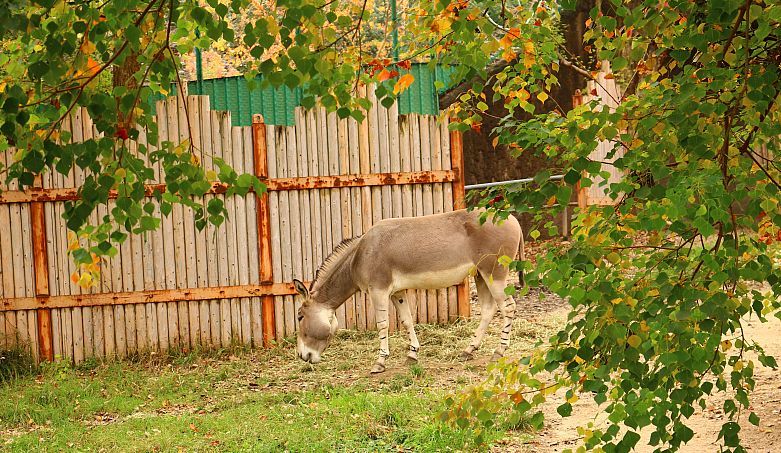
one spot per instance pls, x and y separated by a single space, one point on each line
430 252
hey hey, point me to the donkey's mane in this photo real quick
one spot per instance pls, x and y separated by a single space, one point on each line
337 253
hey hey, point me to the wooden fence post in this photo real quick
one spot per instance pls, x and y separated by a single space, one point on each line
260 152
41 273
459 202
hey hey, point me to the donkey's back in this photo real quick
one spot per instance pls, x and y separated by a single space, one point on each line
434 251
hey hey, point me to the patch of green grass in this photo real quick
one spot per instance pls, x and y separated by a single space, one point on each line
238 400
16 362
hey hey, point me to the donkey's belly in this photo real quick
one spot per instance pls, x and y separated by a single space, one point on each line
431 279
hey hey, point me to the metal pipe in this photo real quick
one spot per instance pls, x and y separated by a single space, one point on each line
485 185
198 65
394 31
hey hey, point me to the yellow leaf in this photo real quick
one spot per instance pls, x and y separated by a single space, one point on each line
634 341
542 96
403 83
507 40
509 55
87 47
211 175
86 280
521 94
573 399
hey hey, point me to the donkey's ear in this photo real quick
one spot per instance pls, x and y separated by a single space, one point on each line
301 288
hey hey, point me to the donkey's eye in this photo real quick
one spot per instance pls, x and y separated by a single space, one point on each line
300 318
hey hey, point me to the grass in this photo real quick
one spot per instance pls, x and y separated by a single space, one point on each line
16 362
251 400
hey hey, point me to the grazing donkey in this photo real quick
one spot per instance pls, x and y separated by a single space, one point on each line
430 252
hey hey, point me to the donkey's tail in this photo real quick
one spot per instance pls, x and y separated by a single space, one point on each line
522 257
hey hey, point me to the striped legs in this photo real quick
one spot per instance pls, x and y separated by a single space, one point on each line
402 308
379 300
487 312
507 307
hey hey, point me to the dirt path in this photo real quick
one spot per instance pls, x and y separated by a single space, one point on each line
561 433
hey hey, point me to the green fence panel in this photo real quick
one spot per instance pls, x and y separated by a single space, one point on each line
278 105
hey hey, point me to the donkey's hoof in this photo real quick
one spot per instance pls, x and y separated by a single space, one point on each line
378 368
412 360
465 356
495 358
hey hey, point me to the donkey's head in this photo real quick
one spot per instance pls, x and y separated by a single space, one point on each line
316 325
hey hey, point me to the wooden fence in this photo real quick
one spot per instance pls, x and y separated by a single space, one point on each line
607 92
177 287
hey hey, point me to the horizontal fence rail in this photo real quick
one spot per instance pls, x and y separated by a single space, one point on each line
328 179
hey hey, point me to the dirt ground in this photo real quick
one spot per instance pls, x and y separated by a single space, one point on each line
561 433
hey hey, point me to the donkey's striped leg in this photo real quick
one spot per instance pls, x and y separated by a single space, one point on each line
507 307
379 299
487 312
402 308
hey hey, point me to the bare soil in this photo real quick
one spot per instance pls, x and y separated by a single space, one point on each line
561 433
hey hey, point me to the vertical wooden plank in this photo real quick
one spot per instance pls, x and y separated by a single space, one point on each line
32 329
297 251
147 313
222 240
419 210
368 320
322 154
204 145
428 201
394 143
306 202
457 165
193 308
229 232
452 293
304 196
51 262
407 195
240 228
78 336
346 207
174 240
314 196
260 157
335 209
255 303
285 237
182 220
386 199
39 239
276 169
435 143
215 316
111 273
356 209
